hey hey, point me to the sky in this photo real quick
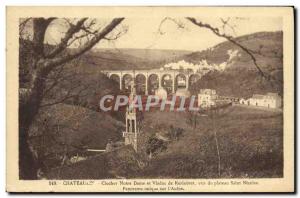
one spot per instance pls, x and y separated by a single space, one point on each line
190 37
144 32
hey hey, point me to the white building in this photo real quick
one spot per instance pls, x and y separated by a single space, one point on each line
270 100
207 97
244 101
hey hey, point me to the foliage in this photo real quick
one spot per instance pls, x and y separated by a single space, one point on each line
237 83
155 145
250 145
175 133
63 131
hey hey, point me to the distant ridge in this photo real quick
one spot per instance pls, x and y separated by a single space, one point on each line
269 43
241 78
146 54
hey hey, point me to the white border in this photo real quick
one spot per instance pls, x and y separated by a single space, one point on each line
4 3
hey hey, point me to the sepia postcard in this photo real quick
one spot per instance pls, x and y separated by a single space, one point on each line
150 99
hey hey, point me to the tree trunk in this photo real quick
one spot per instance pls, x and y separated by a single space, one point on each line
41 67
28 109
27 163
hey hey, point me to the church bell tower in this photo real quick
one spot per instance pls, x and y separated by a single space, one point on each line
131 133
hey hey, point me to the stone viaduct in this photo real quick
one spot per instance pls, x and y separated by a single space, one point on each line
173 75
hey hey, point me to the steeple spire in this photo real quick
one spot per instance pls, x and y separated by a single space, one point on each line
131 132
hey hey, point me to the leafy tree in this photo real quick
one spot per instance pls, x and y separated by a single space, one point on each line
174 132
155 145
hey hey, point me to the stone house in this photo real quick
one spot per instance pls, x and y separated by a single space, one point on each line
269 100
207 98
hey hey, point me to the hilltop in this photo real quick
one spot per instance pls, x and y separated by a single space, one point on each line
241 78
267 43
115 59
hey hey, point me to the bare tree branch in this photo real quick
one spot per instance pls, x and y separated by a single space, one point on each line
87 46
232 40
40 26
67 96
227 24
41 66
178 23
69 34
118 35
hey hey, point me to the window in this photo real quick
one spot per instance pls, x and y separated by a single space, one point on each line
128 125
133 126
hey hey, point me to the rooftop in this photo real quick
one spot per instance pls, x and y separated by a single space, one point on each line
258 96
268 95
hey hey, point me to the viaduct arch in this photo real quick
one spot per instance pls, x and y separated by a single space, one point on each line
149 80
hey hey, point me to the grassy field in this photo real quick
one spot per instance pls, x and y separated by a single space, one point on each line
249 140
68 130
121 163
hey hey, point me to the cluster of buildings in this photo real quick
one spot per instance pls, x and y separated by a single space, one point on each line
269 100
208 98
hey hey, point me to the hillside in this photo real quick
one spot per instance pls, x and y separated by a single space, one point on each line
68 128
250 143
116 59
237 83
267 43
121 163
146 54
63 129
241 78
